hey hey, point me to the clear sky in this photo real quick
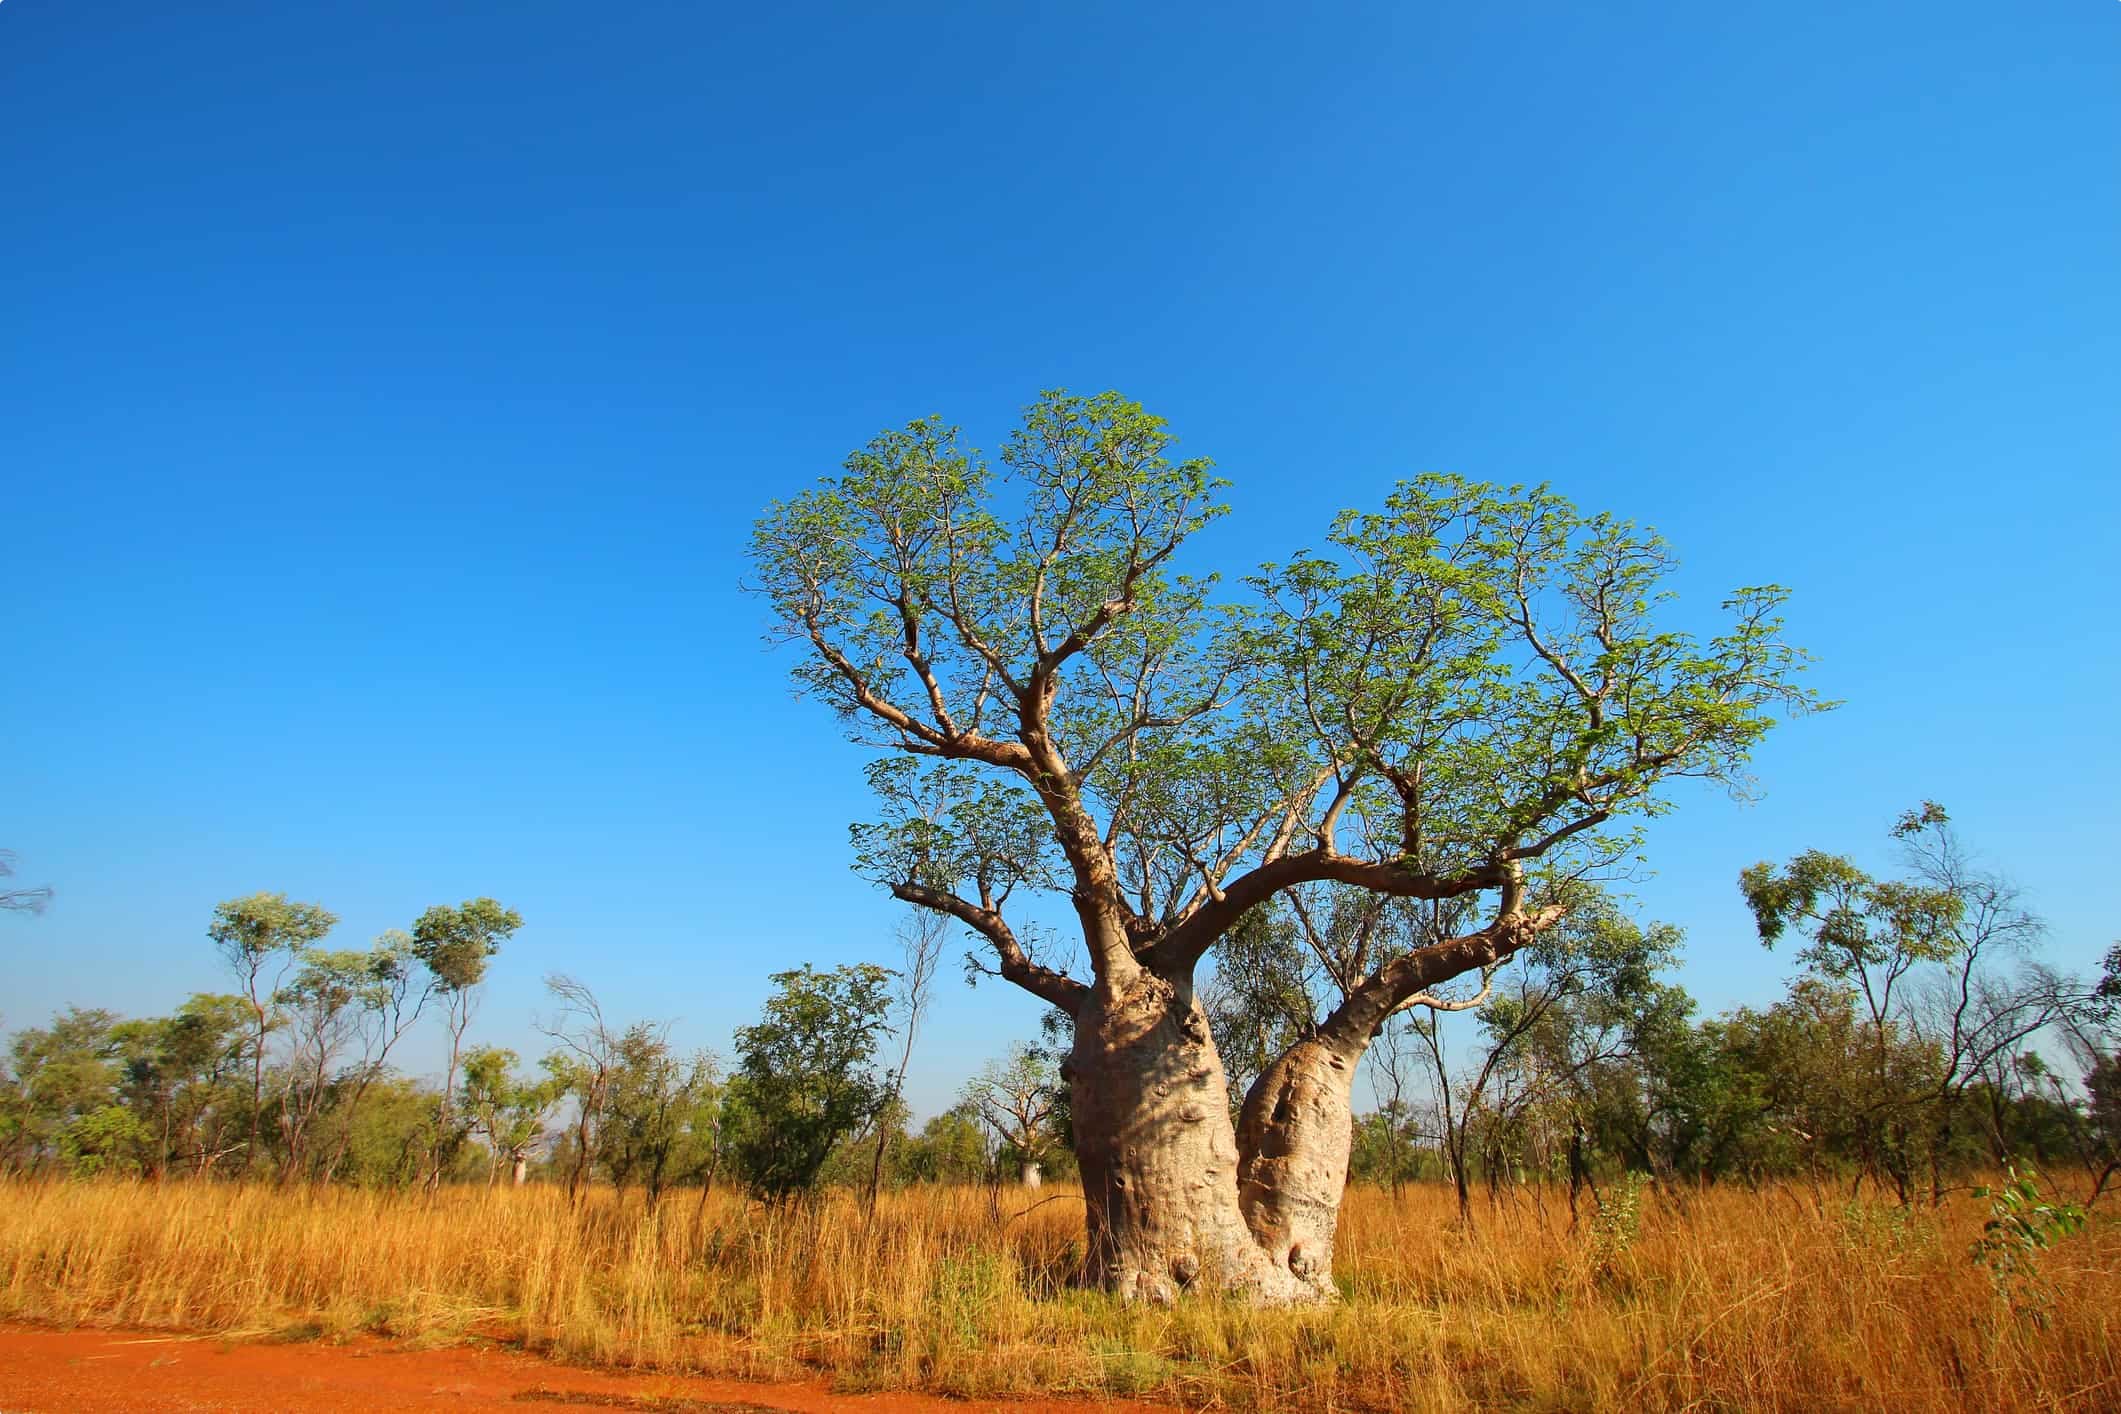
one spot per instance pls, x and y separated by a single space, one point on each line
386 391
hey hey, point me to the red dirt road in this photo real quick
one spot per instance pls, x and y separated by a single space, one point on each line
131 1372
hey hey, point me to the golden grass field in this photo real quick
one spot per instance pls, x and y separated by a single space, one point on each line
1787 1298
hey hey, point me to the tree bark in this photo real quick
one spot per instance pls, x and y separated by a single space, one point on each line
1294 1135
253 1154
1176 1196
1158 1152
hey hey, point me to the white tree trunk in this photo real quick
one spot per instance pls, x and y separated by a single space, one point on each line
1160 1160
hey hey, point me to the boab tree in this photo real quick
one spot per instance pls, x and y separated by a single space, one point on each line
1466 696
1016 1097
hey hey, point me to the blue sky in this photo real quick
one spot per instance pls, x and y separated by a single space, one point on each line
387 390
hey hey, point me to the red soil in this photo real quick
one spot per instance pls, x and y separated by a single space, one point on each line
126 1372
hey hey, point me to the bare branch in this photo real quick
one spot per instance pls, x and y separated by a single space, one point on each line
1043 982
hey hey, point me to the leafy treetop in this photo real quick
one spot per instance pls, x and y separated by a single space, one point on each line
454 943
1464 683
248 929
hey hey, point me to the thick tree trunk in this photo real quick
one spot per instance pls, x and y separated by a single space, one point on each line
1029 1175
1294 1134
1176 1196
1159 1154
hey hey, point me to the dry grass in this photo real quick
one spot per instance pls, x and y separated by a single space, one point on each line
1778 1300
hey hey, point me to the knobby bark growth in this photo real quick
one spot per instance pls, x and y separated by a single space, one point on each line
1461 703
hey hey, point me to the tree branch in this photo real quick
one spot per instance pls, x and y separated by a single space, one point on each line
1183 946
1042 982
1402 980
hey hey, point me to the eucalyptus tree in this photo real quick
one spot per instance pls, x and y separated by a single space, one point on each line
1926 953
922 940
322 1004
53 1081
344 1011
250 933
664 1114
581 1065
181 1074
390 999
1469 694
1566 1005
455 943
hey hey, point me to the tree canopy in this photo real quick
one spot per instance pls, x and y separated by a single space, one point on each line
1467 682
804 1078
454 943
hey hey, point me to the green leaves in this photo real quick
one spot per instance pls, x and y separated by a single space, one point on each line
330 980
510 1112
934 591
1490 658
250 928
1853 920
949 826
1464 682
454 943
2022 1225
804 1079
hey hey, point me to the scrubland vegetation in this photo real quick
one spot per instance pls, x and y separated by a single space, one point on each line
1788 1297
1354 832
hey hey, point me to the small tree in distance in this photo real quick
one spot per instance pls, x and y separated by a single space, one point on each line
1015 1096
508 1112
454 943
804 1078
922 936
393 998
661 1119
1925 955
582 1067
250 933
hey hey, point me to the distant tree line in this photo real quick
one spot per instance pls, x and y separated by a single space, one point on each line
1922 1039
290 1076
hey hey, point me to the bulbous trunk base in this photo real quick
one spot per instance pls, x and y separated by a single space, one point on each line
1295 1133
1159 1155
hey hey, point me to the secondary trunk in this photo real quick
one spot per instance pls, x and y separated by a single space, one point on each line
1294 1134
1159 1155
